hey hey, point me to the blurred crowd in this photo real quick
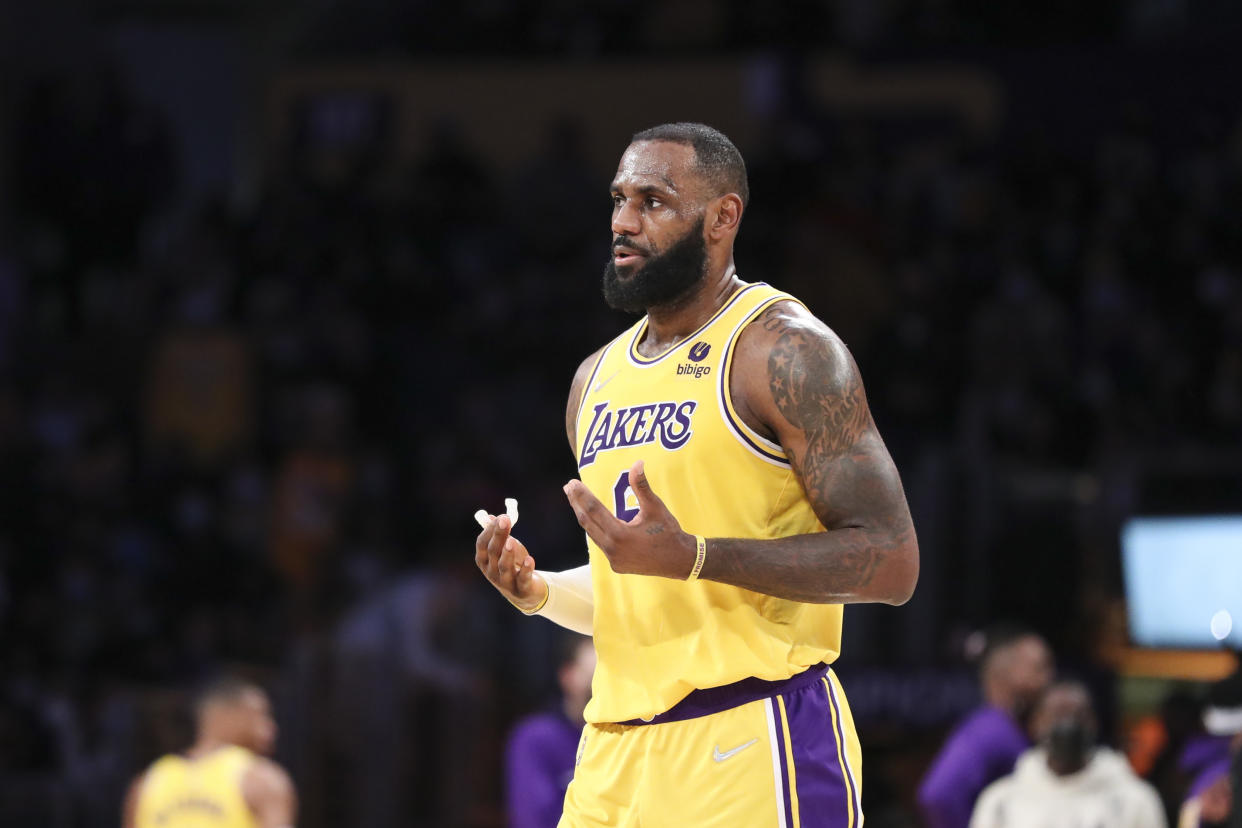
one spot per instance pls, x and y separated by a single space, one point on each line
256 433
696 26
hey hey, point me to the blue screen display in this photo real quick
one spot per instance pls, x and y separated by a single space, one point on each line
1183 579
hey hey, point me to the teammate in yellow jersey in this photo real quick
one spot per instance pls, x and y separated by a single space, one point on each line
735 494
223 780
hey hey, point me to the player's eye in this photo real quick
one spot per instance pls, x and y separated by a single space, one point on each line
617 198
652 201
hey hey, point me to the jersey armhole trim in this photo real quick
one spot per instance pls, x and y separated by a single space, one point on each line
586 389
754 442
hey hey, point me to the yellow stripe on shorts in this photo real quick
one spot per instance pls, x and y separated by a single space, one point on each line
839 739
789 763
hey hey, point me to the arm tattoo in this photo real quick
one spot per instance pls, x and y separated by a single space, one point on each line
811 396
811 393
847 476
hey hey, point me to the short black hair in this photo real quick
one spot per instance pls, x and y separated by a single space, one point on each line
1067 685
716 158
222 689
1002 636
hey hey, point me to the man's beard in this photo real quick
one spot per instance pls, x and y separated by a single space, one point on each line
663 278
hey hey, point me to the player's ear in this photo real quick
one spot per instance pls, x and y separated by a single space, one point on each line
725 213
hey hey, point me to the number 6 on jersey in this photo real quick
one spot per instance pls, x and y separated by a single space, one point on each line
624 496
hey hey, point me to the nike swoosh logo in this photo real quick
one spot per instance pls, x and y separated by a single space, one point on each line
604 382
720 757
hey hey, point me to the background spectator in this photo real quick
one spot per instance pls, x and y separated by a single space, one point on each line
541 752
1068 779
1015 668
1208 760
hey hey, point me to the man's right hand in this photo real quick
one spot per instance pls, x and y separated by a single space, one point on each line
507 564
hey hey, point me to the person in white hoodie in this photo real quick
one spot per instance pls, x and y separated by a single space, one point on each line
1067 780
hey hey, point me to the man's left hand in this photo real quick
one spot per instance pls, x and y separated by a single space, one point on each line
653 543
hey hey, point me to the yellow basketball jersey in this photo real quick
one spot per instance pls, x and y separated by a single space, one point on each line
196 793
658 639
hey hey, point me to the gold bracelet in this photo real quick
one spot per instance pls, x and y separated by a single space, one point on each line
700 545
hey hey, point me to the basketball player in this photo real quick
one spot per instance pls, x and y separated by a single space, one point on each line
223 780
735 494
1015 669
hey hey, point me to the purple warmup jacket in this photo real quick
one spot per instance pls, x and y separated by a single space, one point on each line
1204 759
539 762
981 749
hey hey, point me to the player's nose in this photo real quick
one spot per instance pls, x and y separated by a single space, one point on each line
625 220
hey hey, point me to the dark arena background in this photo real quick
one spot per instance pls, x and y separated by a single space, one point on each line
288 290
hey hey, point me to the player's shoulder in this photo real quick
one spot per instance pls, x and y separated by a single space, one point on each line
163 763
129 806
264 777
269 792
577 388
587 366
582 376
787 317
136 784
786 331
267 771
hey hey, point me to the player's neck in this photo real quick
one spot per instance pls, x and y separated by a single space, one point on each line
1004 699
204 746
1068 766
670 324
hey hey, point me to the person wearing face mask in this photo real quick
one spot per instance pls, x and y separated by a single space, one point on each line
1067 780
1014 669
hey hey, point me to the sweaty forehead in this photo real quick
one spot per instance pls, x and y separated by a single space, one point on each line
662 164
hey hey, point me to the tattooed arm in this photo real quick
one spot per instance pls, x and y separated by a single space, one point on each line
794 381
